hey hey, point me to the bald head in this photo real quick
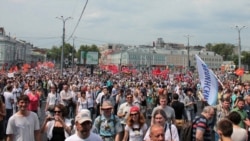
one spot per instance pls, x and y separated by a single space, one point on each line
157 133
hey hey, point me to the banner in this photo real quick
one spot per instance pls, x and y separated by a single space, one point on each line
209 82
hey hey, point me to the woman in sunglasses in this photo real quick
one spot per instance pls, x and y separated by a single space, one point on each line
58 128
136 127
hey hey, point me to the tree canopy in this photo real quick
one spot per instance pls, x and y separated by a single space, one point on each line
225 50
55 52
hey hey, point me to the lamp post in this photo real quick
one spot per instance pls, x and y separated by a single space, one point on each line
73 52
239 46
63 39
188 50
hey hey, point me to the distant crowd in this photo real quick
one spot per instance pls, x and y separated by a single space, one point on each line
83 105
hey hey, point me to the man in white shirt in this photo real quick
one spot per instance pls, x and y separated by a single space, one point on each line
83 125
67 99
23 125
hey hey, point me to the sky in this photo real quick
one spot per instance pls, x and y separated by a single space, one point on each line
129 22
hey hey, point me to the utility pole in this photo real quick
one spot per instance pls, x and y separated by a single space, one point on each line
63 40
239 46
188 50
73 52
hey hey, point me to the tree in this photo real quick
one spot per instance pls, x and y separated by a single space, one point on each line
54 54
245 58
87 48
225 50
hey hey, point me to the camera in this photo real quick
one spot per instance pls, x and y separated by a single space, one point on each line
51 118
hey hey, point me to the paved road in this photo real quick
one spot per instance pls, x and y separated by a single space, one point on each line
41 119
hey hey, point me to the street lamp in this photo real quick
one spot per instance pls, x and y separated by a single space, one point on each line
63 39
188 49
239 46
72 65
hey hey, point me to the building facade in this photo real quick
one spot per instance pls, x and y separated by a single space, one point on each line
177 60
15 52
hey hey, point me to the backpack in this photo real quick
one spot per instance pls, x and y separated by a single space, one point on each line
187 131
169 127
100 121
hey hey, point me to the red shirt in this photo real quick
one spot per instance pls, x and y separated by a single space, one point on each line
34 101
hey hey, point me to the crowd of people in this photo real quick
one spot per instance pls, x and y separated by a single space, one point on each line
80 105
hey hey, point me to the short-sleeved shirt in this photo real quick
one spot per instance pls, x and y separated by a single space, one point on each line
168 110
243 115
107 128
23 127
135 132
201 123
124 109
92 137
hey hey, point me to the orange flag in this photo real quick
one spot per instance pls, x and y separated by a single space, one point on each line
239 71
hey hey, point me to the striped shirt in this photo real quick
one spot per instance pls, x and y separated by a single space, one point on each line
202 124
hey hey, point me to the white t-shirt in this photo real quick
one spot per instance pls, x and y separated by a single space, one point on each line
53 99
89 97
92 137
136 133
8 96
65 96
174 132
82 104
99 97
23 127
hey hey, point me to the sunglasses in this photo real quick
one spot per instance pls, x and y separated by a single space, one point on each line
134 114
108 109
57 112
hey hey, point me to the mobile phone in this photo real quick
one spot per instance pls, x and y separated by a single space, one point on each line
52 118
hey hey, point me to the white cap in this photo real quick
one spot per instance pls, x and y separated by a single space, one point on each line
82 116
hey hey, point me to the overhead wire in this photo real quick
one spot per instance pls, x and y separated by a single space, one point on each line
78 20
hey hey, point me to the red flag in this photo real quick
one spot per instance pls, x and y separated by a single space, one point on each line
239 71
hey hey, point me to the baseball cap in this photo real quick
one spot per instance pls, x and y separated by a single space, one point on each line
134 109
82 116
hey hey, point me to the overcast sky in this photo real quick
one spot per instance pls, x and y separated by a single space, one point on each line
130 22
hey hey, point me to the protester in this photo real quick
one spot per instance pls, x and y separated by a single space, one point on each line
180 113
67 99
23 125
170 130
108 125
9 100
201 130
157 133
53 99
239 134
34 100
57 127
189 103
222 110
90 101
120 98
83 123
2 116
225 130
136 126
167 109
82 102
240 103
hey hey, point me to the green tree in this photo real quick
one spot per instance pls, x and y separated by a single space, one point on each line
245 58
225 50
87 48
54 54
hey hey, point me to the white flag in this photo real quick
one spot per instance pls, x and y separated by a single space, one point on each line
209 82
